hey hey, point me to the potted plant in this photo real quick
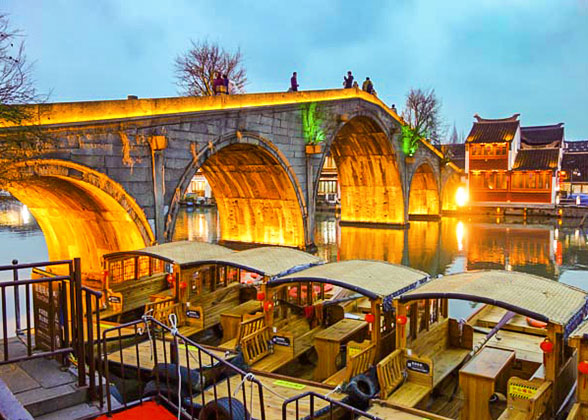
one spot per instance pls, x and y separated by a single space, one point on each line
312 120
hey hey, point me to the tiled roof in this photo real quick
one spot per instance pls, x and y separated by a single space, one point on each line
493 131
576 165
542 135
534 159
580 146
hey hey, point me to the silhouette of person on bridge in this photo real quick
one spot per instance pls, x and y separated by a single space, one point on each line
367 85
348 80
294 82
226 83
218 84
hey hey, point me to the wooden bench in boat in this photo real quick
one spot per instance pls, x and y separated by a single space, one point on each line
445 346
401 385
526 400
288 343
129 295
231 321
249 325
360 357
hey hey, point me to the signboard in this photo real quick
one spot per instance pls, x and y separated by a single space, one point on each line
278 340
114 299
47 316
520 391
417 366
193 314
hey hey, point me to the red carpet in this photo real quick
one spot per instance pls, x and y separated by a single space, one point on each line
148 410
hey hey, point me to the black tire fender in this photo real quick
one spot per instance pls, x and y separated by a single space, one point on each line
361 388
222 408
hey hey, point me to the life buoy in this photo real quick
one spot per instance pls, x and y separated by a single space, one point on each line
537 324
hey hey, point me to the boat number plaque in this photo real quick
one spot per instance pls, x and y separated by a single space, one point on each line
114 299
418 366
193 314
281 341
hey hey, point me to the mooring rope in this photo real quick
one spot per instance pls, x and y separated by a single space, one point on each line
173 322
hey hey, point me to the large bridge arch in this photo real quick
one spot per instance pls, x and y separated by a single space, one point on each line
423 197
258 195
368 172
82 212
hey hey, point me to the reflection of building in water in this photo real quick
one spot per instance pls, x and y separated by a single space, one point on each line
15 215
197 225
328 188
528 249
327 239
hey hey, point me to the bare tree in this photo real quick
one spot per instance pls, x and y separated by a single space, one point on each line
16 91
195 69
16 83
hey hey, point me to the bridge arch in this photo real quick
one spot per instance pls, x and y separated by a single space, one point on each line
423 197
369 176
258 195
449 193
82 212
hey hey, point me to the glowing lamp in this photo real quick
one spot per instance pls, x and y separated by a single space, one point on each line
104 275
268 306
169 278
369 318
461 197
401 320
546 346
183 285
260 296
583 367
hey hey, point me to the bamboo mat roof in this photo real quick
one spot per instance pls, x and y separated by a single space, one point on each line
269 261
537 297
581 331
183 253
374 279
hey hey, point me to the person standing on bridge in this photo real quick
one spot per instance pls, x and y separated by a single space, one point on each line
226 84
348 80
218 83
367 85
294 82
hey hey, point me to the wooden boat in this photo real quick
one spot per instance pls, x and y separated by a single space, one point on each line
579 340
325 307
534 369
133 279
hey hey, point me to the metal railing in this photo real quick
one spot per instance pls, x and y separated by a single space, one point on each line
204 378
331 410
54 320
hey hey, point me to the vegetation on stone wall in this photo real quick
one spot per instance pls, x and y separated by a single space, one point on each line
313 118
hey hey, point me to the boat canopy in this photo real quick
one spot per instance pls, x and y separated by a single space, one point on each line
183 253
374 279
269 261
537 297
581 332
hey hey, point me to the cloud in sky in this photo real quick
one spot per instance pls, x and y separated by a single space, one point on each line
492 57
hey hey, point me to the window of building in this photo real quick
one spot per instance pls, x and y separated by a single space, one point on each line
327 187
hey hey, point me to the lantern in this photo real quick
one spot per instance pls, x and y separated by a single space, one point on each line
401 320
369 318
170 279
260 296
546 345
183 285
268 306
583 367
104 275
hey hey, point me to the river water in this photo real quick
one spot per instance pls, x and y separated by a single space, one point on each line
544 247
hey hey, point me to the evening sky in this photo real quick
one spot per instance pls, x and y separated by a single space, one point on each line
491 57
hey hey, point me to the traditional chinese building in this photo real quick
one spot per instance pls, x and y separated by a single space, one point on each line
507 163
574 173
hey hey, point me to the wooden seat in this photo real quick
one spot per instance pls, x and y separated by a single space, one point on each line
527 405
360 356
162 309
402 386
410 394
133 294
249 325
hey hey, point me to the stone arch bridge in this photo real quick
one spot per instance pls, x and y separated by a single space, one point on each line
115 170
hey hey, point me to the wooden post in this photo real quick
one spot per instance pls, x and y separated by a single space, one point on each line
376 326
400 329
